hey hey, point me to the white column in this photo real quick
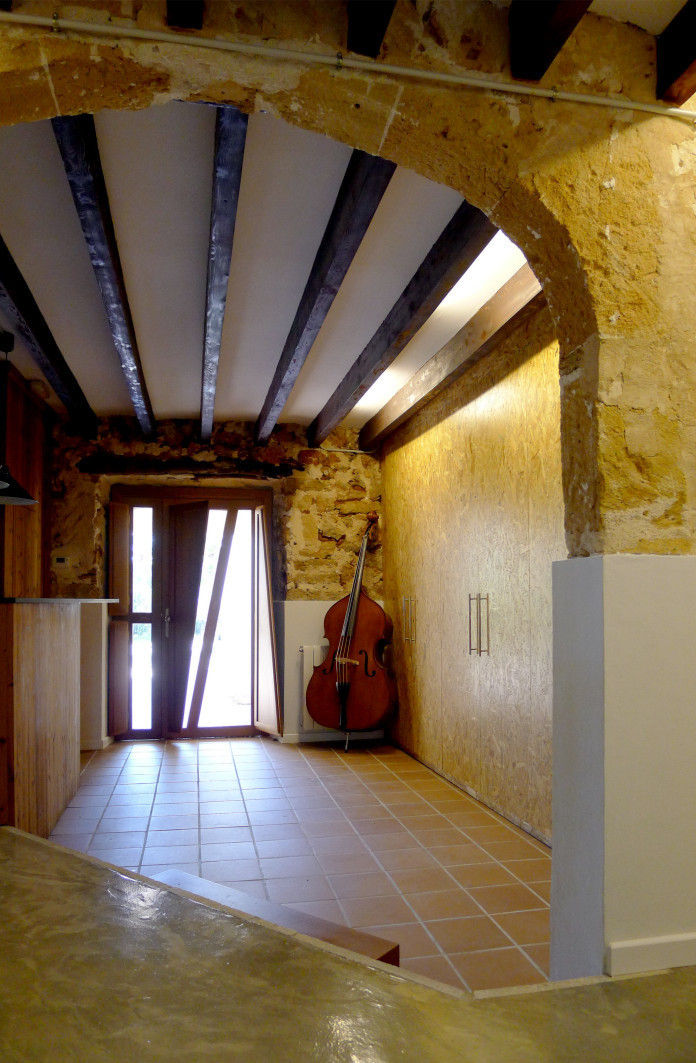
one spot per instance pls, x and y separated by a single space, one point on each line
623 895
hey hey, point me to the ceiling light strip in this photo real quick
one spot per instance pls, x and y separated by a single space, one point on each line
340 62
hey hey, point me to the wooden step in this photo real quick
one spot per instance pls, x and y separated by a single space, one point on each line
369 945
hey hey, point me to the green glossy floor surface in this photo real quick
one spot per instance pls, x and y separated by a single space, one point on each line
97 965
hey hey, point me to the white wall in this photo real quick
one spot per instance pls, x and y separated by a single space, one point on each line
624 764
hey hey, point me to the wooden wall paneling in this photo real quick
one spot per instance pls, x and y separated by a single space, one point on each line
6 717
546 544
24 444
45 703
483 462
398 527
461 759
502 542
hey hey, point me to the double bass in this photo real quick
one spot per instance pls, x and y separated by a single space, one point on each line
353 690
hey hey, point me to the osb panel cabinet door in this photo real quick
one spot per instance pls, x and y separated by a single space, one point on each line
40 687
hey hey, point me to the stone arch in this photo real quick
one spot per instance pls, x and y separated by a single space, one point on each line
554 176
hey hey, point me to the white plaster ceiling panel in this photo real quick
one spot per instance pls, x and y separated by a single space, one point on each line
40 226
497 263
158 168
408 221
290 180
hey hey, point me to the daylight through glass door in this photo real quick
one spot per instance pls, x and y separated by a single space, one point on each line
191 637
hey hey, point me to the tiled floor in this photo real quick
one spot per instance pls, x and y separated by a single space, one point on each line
371 839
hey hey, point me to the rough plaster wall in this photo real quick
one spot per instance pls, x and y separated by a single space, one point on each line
483 461
601 201
320 499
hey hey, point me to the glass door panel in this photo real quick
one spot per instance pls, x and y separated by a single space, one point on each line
141 631
227 695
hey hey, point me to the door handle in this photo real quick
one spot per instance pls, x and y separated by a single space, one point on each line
167 621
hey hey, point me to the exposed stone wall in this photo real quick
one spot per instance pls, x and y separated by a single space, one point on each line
600 200
320 498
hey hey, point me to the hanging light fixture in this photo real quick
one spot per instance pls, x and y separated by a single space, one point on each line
11 493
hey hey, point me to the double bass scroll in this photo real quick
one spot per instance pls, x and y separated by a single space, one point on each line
353 690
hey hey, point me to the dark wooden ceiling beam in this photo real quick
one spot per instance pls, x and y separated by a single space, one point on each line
77 140
476 339
361 191
24 317
367 25
538 31
676 57
185 14
453 252
230 138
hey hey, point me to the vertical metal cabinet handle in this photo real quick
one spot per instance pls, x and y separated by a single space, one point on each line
167 621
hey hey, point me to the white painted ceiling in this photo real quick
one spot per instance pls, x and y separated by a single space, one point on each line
158 170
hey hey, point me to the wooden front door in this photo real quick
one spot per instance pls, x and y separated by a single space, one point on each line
192 646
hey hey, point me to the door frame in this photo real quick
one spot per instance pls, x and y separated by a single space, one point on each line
156 496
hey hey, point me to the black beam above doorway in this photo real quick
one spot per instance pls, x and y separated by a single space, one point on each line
76 137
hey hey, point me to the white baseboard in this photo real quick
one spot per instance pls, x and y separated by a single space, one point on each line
650 954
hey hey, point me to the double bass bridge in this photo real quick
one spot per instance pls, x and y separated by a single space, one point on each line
346 660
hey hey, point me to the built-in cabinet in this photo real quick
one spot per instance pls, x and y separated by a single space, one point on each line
473 504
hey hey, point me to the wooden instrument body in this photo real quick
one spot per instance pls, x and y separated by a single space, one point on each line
371 696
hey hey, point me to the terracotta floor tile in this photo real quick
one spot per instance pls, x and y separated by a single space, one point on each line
283 847
412 938
376 911
187 836
435 967
118 840
373 827
383 843
453 855
543 889
371 884
383 825
283 890
517 849
327 828
534 870
514 898
290 867
341 843
347 863
158 854
490 874
227 851
441 836
444 904
496 969
406 858
277 832
330 910
527 928
463 935
539 954
422 880
227 870
217 835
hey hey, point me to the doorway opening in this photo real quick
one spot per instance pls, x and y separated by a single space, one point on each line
191 645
